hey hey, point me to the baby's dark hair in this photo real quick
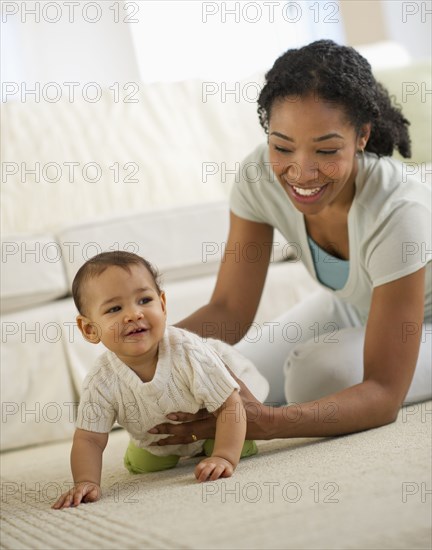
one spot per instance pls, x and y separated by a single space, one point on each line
339 74
99 263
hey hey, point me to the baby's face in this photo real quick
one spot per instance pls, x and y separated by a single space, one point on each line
124 311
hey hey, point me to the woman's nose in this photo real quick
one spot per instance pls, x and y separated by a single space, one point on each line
302 171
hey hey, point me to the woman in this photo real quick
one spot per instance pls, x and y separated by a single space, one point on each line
327 182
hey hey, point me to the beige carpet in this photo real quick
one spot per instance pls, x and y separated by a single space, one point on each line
367 490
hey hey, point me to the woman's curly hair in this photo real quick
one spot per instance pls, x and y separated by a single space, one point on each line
340 74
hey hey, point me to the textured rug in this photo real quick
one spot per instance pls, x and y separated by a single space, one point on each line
368 490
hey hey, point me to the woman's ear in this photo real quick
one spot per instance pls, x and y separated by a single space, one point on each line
363 136
89 330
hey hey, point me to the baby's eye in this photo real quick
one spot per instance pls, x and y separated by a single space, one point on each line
113 309
145 300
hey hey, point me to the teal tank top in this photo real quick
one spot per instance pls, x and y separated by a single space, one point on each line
331 271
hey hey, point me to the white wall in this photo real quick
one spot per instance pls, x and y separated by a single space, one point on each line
409 22
228 40
171 41
64 50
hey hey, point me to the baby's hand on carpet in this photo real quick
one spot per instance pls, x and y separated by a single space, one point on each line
85 491
213 468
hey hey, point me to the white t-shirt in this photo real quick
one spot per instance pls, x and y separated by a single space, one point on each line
190 375
389 223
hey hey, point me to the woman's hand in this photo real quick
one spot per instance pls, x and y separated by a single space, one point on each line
202 425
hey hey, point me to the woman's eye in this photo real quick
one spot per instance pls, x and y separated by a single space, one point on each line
281 149
327 152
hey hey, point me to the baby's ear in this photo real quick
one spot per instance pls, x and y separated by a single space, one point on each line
89 330
162 297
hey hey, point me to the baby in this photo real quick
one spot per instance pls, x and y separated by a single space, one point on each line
149 371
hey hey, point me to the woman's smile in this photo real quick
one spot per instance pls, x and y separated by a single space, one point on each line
306 195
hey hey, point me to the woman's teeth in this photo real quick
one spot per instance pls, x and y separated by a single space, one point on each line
306 192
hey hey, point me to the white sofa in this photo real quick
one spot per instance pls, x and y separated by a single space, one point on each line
151 176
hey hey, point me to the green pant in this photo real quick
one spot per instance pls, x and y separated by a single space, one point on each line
141 461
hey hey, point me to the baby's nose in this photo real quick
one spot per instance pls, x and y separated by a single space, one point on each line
133 314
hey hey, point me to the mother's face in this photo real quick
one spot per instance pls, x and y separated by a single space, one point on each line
312 149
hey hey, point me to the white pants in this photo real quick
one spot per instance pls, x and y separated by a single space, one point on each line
316 348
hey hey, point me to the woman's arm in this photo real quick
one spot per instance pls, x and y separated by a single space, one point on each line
392 342
391 348
239 285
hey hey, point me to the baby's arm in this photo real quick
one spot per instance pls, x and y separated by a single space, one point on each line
229 440
86 464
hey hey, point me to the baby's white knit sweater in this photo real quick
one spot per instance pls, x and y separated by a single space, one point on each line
190 375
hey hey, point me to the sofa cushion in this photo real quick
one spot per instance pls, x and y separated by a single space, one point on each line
182 243
157 145
38 401
32 272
